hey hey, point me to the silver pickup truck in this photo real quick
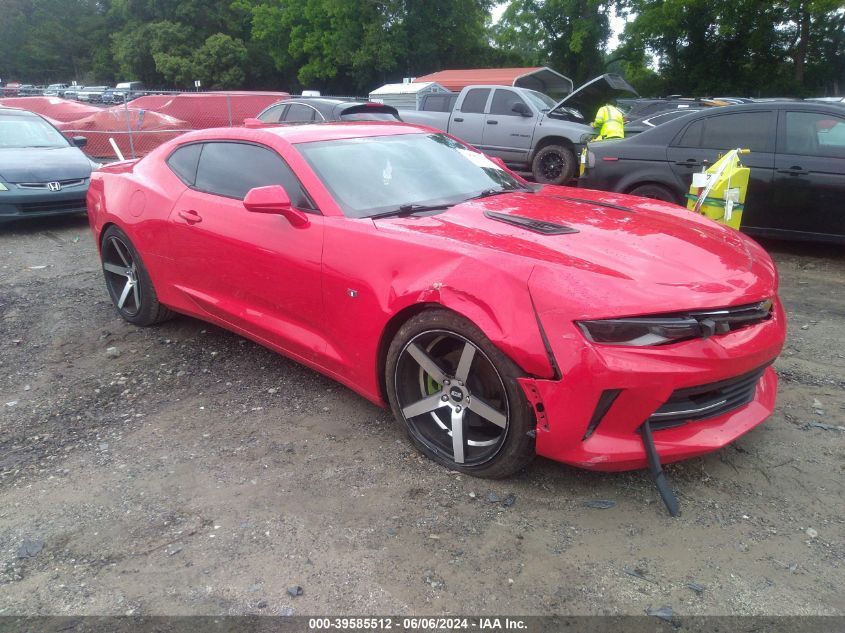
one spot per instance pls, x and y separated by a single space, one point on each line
527 129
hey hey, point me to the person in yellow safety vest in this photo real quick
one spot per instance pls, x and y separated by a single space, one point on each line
610 123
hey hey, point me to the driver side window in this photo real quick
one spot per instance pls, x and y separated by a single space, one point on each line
231 169
504 102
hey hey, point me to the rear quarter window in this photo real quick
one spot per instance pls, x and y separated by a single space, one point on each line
183 162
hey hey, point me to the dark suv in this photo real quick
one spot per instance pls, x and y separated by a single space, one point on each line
797 162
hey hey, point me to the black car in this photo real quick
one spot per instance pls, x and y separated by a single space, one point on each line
653 120
41 172
636 109
797 162
318 109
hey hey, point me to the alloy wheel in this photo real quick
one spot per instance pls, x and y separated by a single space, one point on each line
452 397
551 166
121 276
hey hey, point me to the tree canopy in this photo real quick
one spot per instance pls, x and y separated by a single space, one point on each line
713 47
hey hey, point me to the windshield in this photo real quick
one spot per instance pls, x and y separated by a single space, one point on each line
540 100
19 131
371 175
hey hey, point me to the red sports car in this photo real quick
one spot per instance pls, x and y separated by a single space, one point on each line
498 319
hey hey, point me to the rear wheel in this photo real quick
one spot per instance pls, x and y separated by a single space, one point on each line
458 397
656 192
553 165
128 282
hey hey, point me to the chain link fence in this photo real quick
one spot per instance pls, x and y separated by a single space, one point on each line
118 125
134 128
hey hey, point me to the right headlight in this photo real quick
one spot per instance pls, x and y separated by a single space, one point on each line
641 331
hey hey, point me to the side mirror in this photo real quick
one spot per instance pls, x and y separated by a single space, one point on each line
274 200
79 141
251 123
521 109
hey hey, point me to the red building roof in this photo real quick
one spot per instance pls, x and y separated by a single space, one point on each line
537 78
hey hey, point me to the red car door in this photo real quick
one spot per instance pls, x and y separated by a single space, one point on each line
255 271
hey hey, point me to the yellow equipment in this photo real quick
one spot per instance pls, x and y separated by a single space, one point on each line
719 191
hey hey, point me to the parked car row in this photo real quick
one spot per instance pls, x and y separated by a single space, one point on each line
121 93
797 157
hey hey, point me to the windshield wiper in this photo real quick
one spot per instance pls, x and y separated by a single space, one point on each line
409 209
486 193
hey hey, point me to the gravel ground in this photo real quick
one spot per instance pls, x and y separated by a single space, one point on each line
188 471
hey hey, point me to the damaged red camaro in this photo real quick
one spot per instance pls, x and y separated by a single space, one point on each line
497 319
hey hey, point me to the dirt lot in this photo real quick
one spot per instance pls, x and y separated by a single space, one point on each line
194 472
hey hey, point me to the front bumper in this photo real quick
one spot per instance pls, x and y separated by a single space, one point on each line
18 203
643 380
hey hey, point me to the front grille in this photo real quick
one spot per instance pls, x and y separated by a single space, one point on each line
706 401
43 185
724 320
74 204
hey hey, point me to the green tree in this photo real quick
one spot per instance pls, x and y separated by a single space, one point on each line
568 35
219 62
746 47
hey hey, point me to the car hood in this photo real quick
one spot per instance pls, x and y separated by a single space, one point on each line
648 249
36 164
588 98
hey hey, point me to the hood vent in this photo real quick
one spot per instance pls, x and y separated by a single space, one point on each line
596 203
538 226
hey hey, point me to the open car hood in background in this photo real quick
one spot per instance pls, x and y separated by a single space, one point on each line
589 97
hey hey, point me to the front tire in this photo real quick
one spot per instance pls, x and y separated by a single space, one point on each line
128 281
553 165
458 397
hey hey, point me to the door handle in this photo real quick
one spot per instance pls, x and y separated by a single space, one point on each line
689 162
795 170
190 216
492 123
458 120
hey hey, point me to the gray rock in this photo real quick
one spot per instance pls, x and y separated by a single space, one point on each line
600 504
295 591
262 604
30 549
697 588
665 613
509 500
492 497
112 352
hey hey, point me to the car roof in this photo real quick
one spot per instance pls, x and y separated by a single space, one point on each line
337 131
324 105
306 133
7 111
665 132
